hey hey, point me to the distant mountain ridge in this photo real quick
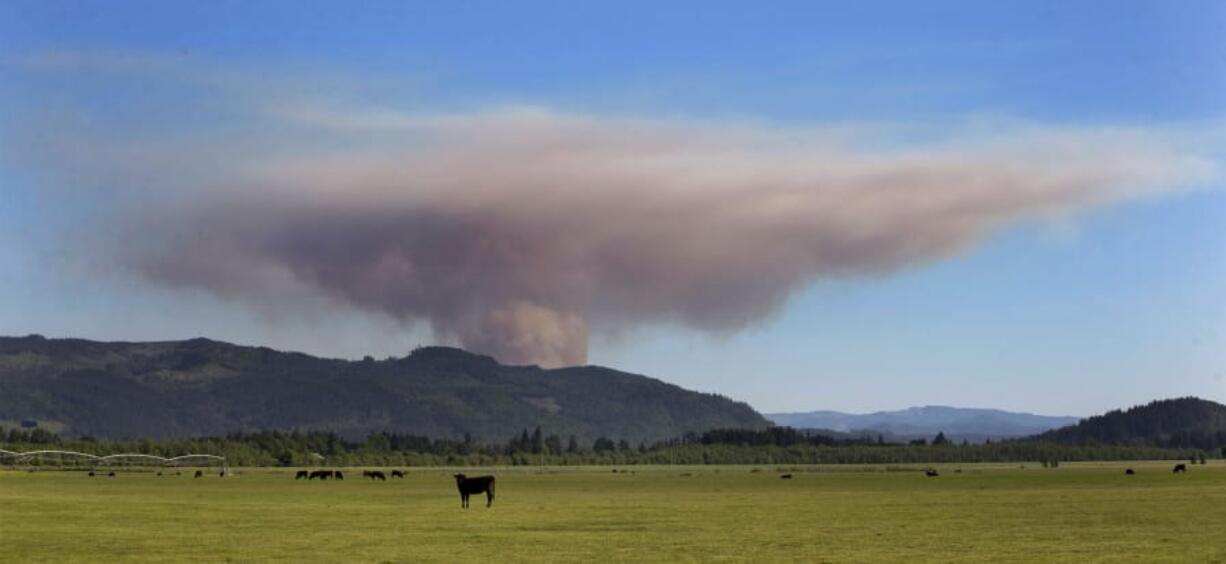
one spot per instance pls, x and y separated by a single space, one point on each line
957 423
202 387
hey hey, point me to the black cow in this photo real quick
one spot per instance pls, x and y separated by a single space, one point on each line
786 477
199 473
1129 471
301 474
397 474
91 474
931 473
159 473
111 474
339 475
375 475
475 485
1180 468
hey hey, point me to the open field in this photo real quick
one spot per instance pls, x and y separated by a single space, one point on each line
1078 512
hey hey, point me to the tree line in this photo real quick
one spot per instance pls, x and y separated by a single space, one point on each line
774 445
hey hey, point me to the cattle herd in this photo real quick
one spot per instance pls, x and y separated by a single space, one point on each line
320 474
1178 469
111 474
485 484
339 475
466 485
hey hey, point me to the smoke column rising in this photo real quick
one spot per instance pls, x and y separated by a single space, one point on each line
517 233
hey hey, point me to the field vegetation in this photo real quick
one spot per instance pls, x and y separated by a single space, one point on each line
970 513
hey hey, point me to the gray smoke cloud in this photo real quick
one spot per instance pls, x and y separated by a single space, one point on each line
517 233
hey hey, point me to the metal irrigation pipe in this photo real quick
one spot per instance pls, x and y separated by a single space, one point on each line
108 458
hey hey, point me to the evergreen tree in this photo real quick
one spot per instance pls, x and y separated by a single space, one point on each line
538 442
553 444
603 444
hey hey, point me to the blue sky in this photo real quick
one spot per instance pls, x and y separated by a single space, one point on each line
1117 304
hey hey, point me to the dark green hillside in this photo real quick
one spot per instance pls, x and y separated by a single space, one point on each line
1177 423
202 387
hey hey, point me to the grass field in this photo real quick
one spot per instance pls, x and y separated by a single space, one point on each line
1076 513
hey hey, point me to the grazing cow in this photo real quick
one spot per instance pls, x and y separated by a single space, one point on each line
1129 471
475 485
91 474
376 475
111 474
397 474
339 475
159 473
785 477
301 474
931 473
199 473
1180 468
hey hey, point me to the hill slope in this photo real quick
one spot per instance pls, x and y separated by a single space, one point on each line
202 387
1181 423
956 422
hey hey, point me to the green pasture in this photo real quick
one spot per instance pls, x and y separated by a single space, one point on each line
983 513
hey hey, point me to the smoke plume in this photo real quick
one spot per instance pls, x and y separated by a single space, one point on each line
517 233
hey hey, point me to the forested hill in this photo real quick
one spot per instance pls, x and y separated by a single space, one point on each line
1181 423
206 388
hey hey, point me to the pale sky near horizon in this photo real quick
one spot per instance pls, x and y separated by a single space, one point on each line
1017 206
